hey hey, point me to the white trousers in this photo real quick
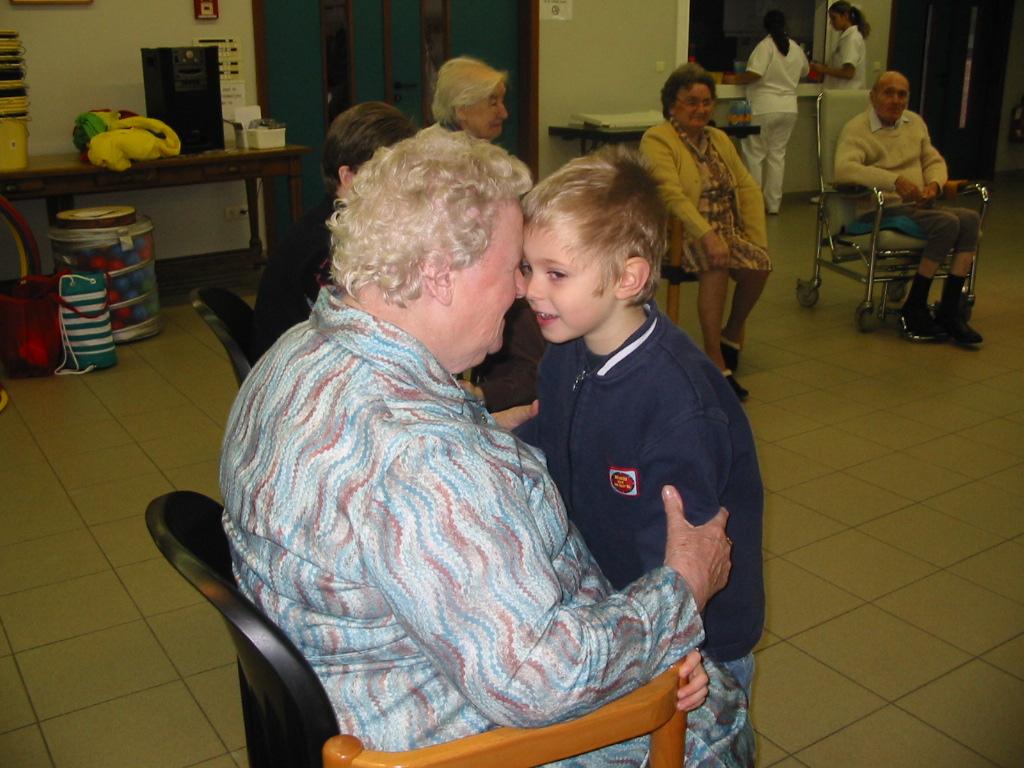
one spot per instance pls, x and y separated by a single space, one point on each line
768 149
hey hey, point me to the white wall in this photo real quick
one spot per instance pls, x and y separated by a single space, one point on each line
88 57
602 60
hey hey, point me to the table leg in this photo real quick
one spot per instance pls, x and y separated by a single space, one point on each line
253 203
295 189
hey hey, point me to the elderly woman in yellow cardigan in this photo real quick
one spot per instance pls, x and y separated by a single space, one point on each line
705 184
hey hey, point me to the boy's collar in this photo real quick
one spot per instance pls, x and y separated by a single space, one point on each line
633 343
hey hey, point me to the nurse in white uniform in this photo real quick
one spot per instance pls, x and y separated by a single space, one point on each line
773 71
845 68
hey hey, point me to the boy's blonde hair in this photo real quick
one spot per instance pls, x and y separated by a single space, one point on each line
605 206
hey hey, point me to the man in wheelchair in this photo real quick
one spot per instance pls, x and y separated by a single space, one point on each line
888 146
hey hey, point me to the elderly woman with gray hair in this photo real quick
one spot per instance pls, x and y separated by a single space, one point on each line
470 96
706 186
415 551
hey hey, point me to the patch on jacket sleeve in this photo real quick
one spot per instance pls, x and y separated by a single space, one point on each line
624 481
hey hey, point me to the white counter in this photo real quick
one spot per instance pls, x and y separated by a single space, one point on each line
801 152
740 91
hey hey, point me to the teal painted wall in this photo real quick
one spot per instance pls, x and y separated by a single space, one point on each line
489 30
296 86
368 28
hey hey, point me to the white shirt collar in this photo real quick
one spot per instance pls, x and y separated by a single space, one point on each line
876 125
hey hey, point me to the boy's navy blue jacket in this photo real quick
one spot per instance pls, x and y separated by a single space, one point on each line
656 412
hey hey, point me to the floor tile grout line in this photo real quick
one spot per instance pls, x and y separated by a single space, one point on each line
77 636
934 636
184 680
895 705
916 501
937 565
937 569
1011 673
48 583
109 700
149 626
948 736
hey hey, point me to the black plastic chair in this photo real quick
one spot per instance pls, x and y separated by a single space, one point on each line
230 318
288 716
289 720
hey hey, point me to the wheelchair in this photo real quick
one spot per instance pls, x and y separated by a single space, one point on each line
883 260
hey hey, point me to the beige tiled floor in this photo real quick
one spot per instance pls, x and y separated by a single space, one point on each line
894 539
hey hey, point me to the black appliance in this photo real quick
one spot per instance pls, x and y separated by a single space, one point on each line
183 90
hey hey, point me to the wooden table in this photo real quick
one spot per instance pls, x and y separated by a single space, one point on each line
597 135
58 178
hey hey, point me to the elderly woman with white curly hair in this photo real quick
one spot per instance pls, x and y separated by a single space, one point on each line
415 552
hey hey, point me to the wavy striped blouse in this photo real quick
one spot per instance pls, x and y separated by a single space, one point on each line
419 555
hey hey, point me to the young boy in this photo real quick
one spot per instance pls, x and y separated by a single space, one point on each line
628 403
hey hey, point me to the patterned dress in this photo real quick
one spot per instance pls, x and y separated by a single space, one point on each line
717 204
419 556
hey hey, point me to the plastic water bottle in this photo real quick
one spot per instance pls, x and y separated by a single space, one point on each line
735 113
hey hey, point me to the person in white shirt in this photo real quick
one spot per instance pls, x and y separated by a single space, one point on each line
773 70
845 68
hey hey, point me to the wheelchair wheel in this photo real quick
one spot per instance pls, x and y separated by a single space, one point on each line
866 319
806 293
897 290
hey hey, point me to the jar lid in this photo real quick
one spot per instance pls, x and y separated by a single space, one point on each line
94 218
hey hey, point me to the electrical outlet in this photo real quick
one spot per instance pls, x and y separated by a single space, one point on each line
236 212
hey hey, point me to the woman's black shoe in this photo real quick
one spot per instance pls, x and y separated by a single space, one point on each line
741 393
730 353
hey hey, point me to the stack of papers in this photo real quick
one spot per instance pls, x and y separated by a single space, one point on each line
620 120
13 90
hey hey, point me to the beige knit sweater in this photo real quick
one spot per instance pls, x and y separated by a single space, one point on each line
877 159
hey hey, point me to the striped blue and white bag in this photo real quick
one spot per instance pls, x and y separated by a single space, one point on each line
85 323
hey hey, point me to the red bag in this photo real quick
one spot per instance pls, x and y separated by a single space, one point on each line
30 342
